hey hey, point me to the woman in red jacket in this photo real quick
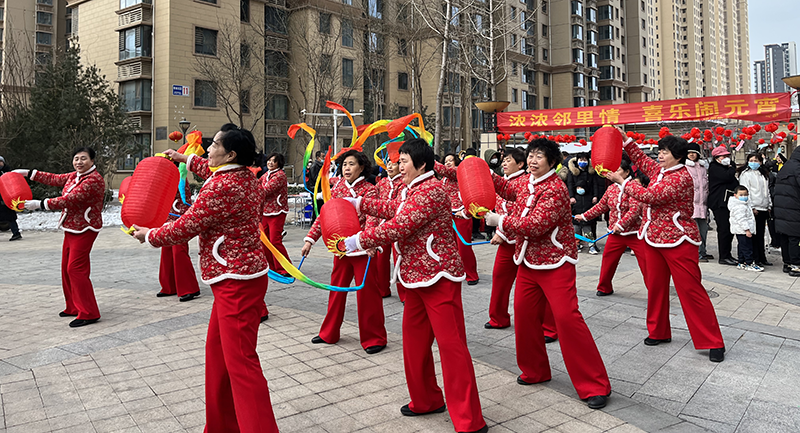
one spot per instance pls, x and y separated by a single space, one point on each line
449 171
372 331
225 217
388 189
81 206
625 217
276 206
546 253
420 225
176 272
672 239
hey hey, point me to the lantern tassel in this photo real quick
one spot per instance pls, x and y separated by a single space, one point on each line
15 204
477 211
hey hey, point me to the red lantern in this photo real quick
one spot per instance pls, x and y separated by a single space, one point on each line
476 186
719 130
582 142
760 141
728 133
175 136
499 137
338 221
606 149
15 191
757 127
150 193
123 188
790 126
748 137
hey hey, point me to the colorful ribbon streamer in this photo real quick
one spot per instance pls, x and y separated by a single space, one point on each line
289 267
283 279
465 242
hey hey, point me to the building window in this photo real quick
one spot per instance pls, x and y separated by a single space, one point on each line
373 42
324 23
244 102
457 117
606 12
544 30
349 105
591 15
606 33
277 107
244 55
577 32
135 95
544 6
325 62
347 33
205 41
375 8
48 2
530 76
577 8
276 145
514 96
135 42
606 93
577 55
591 83
546 103
275 20
606 52
244 11
606 72
544 54
347 72
578 101
122 3
213 2
592 61
348 2
44 38
546 78
446 116
402 47
514 68
592 37
129 161
276 64
402 81
578 80
44 18
205 94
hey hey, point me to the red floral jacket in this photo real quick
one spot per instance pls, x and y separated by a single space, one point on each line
507 186
81 201
419 224
542 220
450 183
277 188
178 206
669 202
225 217
359 188
623 210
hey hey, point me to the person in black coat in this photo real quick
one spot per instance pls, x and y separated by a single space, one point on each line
721 184
787 213
774 166
313 173
8 216
584 191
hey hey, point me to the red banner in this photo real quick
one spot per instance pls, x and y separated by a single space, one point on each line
765 107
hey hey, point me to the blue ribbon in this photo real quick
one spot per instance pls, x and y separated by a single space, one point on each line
465 242
283 279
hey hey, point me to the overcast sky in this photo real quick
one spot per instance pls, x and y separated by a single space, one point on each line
771 22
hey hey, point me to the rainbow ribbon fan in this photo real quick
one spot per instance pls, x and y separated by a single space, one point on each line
283 279
463 241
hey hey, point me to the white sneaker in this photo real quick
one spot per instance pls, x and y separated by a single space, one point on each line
741 266
593 251
755 268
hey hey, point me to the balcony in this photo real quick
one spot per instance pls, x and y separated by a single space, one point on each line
579 91
135 16
132 70
277 44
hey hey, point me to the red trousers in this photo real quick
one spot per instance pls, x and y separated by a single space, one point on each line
681 263
612 252
75 270
437 312
371 327
273 228
176 272
383 266
536 287
464 227
503 275
237 396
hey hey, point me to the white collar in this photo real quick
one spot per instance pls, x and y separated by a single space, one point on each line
349 185
421 178
273 171
534 180
227 167
78 174
513 175
395 177
673 168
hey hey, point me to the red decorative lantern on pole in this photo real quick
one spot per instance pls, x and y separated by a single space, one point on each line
606 149
338 220
15 191
151 192
476 186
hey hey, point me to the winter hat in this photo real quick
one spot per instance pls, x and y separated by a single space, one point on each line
3 160
694 147
720 150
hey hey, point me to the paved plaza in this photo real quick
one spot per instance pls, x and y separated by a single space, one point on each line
140 369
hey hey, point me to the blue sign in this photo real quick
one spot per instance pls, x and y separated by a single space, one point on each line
177 90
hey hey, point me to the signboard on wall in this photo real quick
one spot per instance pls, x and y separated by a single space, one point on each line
178 90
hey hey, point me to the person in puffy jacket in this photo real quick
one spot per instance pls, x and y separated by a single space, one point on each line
787 213
584 192
721 183
698 169
743 225
755 177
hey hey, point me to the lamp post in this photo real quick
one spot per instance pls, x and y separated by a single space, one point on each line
794 83
184 125
490 109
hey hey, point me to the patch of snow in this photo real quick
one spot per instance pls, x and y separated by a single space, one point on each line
45 220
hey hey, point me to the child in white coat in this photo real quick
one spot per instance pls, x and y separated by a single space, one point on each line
743 225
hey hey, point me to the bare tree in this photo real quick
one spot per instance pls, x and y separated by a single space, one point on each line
416 48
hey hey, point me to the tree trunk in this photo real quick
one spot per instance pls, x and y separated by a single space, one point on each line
437 137
492 66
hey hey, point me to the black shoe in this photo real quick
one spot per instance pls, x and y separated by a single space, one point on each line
655 342
787 269
264 318
522 382
794 273
548 339
597 401
472 282
703 260
77 323
164 295
15 237
488 325
762 264
599 293
386 296
729 262
478 236
64 314
374 349
406 411
483 429
716 355
318 340
708 256
189 297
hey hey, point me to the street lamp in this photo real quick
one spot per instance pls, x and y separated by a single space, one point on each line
490 109
794 83
184 125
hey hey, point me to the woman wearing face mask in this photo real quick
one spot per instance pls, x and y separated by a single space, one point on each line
389 188
371 329
81 206
584 186
721 184
463 222
698 168
755 177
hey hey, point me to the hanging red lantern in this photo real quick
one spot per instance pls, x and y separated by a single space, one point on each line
338 220
175 136
499 137
582 142
790 126
150 193
15 191
748 137
719 130
757 127
606 150
476 186
727 133
760 141
123 188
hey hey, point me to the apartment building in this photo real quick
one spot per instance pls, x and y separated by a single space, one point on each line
780 61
